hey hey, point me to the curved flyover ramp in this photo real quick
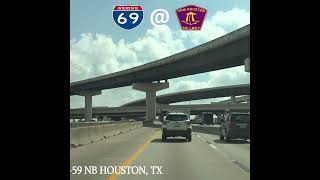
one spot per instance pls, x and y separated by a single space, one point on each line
206 93
228 51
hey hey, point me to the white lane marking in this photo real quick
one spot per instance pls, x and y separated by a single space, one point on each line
241 166
201 138
225 155
213 146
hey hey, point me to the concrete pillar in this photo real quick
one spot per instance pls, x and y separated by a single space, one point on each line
158 111
233 99
247 64
88 103
88 107
188 112
150 89
151 105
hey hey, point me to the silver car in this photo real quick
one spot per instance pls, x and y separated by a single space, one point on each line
176 124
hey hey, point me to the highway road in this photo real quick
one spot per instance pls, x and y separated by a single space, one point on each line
206 157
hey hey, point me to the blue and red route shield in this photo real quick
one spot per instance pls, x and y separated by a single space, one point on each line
127 17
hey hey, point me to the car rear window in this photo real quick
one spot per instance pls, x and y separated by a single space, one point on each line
177 117
240 118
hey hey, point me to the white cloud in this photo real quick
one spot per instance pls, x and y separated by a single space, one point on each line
225 77
96 55
208 32
92 56
158 42
231 76
235 17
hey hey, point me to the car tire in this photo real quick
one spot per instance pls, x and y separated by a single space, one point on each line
189 138
226 137
221 137
164 138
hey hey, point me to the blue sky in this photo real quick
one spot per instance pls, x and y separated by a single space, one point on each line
98 46
95 16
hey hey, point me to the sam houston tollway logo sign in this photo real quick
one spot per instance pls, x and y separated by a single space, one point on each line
191 17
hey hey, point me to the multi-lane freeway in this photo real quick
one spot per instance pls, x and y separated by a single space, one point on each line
206 157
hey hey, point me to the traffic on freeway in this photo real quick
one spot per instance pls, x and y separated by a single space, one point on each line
144 154
160 90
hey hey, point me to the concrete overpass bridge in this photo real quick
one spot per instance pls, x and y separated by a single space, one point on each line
227 51
206 93
241 99
140 111
138 107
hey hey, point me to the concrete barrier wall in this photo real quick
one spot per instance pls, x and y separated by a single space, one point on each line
99 123
207 129
88 134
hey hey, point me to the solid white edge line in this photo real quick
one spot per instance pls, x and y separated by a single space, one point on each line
223 154
213 146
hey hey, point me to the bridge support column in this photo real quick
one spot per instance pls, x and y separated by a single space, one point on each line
186 111
247 65
233 99
88 103
150 89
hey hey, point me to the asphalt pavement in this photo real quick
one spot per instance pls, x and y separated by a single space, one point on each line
206 157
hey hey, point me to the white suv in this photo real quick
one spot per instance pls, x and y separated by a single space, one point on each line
176 124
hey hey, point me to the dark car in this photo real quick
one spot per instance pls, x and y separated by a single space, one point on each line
235 125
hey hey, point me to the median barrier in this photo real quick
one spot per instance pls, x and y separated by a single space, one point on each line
83 135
